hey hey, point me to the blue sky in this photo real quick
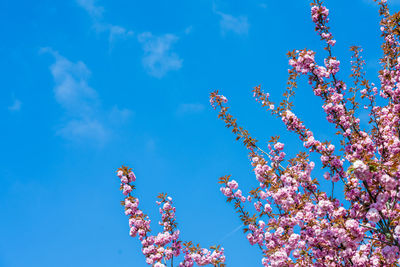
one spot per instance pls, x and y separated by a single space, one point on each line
90 85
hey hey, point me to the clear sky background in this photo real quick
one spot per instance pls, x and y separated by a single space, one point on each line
87 86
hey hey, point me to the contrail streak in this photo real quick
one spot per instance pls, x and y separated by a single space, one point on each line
231 233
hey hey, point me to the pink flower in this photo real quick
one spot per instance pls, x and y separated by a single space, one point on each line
233 185
124 179
279 146
373 215
127 189
132 177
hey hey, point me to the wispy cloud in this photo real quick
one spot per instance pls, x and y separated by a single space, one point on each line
119 116
84 130
189 108
158 56
118 32
84 119
114 32
96 13
189 29
90 6
230 23
16 106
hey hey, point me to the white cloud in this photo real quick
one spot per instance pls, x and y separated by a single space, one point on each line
114 31
189 29
72 90
91 7
118 116
84 130
84 119
118 32
189 108
158 58
96 13
16 106
229 23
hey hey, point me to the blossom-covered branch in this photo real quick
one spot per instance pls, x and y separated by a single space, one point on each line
163 247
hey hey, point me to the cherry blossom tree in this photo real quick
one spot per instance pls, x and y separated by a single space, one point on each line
288 216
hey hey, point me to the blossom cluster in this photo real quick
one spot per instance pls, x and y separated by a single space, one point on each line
163 247
319 15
